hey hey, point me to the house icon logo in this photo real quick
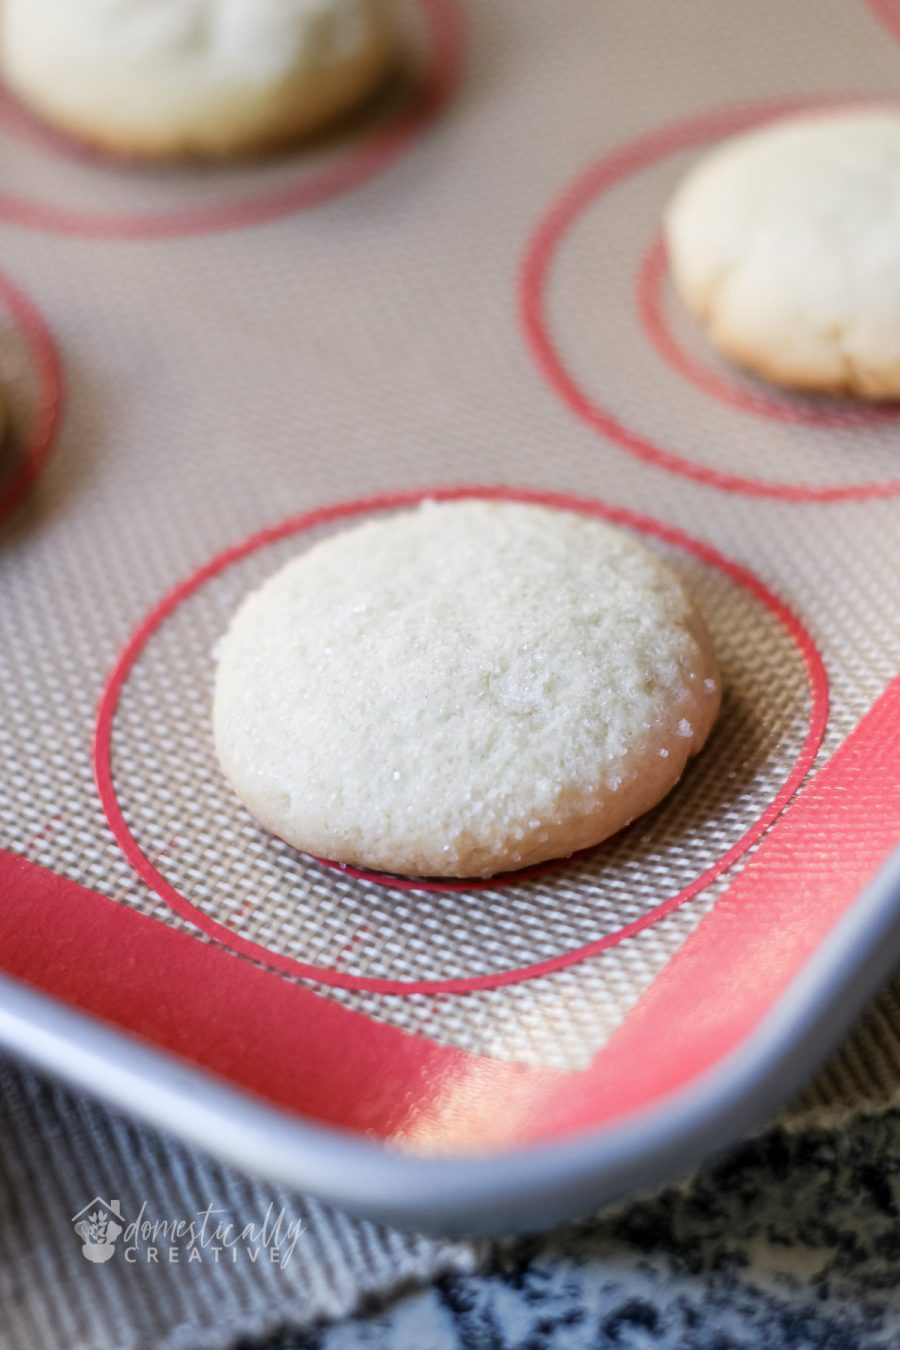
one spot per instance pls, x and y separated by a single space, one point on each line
98 1225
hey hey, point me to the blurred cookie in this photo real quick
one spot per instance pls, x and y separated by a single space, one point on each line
785 243
462 689
193 77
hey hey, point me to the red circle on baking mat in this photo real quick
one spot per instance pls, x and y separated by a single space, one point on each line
595 182
33 455
344 511
445 37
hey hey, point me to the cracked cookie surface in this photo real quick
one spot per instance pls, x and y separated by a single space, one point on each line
785 243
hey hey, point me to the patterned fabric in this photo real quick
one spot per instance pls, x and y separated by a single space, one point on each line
60 1153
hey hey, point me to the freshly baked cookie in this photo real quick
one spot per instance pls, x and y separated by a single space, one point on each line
193 77
786 244
462 689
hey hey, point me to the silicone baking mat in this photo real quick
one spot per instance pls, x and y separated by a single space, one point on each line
461 291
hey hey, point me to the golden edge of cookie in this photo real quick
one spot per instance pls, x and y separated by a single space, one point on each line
858 382
223 140
870 384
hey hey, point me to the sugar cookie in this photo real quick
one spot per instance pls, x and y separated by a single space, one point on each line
785 242
462 689
193 77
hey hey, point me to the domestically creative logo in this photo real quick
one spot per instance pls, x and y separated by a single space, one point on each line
98 1225
208 1234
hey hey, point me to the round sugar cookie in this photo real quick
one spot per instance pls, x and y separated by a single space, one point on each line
193 77
462 689
785 242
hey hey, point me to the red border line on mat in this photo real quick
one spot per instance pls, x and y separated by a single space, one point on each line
33 458
277 1039
543 246
732 968
887 14
446 29
304 1052
145 867
649 279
